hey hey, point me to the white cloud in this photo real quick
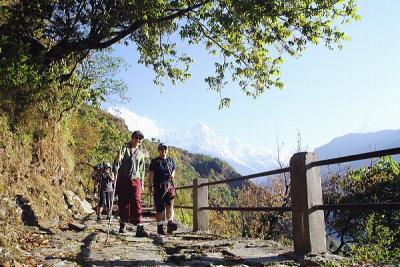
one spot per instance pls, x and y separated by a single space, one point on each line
136 122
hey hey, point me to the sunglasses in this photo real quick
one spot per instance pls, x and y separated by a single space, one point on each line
138 137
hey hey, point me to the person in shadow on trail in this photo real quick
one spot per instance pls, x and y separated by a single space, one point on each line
162 172
130 162
106 179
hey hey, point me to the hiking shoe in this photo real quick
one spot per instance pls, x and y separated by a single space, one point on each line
98 217
171 226
121 228
140 232
160 229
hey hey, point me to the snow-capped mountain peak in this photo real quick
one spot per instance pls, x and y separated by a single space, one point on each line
200 138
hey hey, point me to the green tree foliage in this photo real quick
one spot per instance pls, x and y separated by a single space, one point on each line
97 135
378 183
90 82
378 244
45 40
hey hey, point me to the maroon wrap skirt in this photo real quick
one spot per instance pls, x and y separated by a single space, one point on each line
130 200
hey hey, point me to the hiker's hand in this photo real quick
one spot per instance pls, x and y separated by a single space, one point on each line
118 158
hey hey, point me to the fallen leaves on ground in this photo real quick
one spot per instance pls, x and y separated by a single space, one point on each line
33 240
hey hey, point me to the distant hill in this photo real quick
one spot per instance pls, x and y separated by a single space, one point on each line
356 143
208 166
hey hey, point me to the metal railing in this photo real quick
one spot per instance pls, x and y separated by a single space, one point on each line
306 193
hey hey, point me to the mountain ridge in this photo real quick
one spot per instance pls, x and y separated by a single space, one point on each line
356 143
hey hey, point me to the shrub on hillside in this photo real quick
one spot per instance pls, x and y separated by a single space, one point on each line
370 233
266 225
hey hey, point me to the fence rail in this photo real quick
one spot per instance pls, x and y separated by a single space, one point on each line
248 208
247 177
306 197
359 206
184 187
183 207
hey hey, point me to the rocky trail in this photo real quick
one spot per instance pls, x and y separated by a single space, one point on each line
83 244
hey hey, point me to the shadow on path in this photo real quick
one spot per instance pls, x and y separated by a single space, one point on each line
228 260
28 216
124 263
84 258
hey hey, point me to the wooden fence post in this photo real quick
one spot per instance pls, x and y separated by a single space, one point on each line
306 191
200 200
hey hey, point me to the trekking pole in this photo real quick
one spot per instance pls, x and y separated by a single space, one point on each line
182 214
112 197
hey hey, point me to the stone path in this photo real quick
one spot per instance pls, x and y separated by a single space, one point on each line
74 247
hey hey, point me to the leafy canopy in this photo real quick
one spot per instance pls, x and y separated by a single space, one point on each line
248 37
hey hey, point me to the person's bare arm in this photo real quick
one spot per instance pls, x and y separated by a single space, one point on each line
111 175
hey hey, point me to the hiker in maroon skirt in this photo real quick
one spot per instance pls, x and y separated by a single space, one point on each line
130 184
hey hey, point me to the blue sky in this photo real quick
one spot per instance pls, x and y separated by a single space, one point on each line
327 93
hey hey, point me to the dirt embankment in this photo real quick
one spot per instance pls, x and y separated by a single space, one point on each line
35 171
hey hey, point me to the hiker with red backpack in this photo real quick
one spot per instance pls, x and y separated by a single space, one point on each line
162 173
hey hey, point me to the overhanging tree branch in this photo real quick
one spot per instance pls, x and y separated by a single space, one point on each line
97 40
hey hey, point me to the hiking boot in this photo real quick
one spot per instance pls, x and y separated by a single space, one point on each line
171 226
140 232
98 217
121 228
160 229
